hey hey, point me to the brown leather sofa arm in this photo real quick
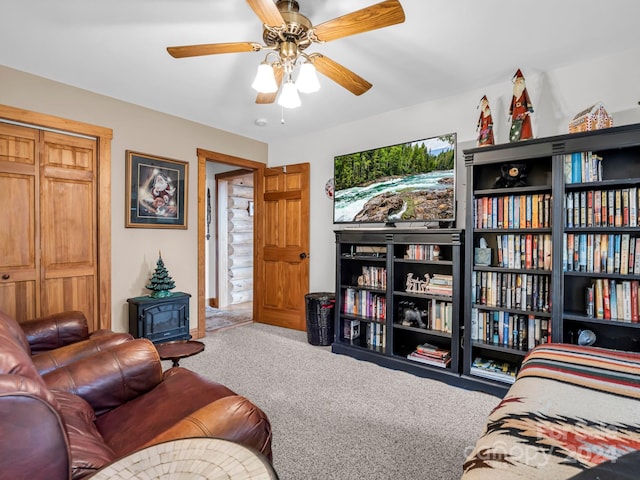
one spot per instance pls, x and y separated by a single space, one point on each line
110 378
233 418
50 360
56 330
34 427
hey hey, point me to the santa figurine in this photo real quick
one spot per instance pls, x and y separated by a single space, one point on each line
485 124
520 111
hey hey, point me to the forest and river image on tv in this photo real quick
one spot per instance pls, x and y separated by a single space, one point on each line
408 182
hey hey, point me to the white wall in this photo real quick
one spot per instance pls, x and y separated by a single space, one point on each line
556 96
134 251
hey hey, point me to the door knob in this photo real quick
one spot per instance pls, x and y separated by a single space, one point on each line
303 256
6 276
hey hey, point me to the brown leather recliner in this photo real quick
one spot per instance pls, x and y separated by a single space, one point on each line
62 338
80 417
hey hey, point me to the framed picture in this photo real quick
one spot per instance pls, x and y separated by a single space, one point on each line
156 192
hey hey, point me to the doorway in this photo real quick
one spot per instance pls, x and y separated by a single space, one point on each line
218 174
229 268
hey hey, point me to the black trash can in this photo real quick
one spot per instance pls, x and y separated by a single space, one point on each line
319 309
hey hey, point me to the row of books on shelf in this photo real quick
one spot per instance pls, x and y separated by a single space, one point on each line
431 355
530 251
513 211
602 208
374 333
422 252
613 300
601 253
582 167
373 276
517 291
494 369
364 303
521 332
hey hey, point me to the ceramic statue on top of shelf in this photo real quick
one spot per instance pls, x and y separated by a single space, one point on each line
520 111
485 124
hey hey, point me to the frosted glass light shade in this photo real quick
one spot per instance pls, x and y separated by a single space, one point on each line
265 81
307 81
289 97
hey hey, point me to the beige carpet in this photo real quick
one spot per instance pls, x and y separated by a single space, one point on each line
337 418
221 319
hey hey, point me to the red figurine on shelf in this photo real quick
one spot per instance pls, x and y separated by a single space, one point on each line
485 124
520 111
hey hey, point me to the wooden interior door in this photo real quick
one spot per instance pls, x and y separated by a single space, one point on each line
282 246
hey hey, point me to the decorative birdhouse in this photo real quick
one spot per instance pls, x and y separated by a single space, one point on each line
593 118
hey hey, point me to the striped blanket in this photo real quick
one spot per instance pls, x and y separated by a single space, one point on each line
593 368
570 408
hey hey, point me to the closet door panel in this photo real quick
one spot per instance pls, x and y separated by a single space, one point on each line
68 224
19 254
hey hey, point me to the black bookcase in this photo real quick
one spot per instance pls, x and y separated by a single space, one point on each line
555 251
397 289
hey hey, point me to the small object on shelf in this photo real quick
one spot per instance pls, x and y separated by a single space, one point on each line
482 254
415 285
586 337
485 124
512 175
161 282
520 110
409 315
593 118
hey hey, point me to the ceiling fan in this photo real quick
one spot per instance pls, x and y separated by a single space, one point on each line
286 34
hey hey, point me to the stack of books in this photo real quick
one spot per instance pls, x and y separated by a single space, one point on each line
494 369
431 355
440 284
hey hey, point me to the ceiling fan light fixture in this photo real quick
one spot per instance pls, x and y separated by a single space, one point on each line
289 97
307 81
265 81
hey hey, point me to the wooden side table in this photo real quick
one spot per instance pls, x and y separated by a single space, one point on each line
189 458
178 349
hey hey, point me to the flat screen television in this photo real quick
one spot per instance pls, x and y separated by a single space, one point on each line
407 182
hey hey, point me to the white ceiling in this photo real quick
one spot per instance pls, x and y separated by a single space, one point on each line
118 48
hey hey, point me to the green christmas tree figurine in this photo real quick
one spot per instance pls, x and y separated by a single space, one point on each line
160 281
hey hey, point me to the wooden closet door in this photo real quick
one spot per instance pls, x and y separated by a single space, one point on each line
19 254
68 225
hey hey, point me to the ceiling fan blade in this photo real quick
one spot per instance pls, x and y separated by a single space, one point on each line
267 11
213 49
341 75
376 16
265 98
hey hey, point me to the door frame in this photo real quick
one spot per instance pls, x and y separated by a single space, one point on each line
203 157
103 137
